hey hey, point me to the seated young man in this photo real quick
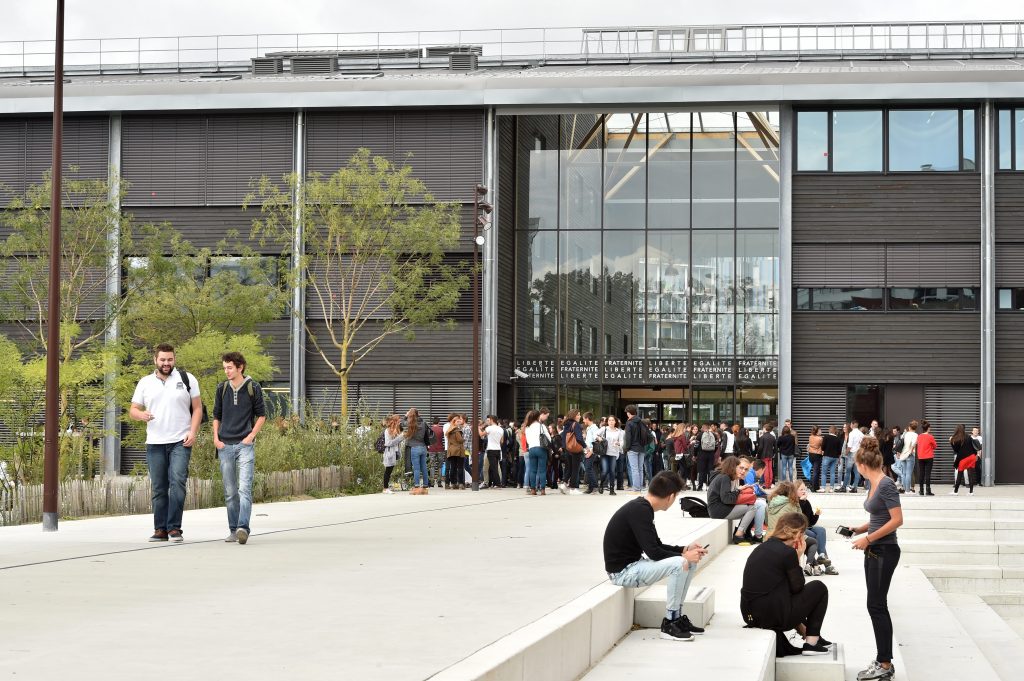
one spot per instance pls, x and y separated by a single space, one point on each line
755 477
635 556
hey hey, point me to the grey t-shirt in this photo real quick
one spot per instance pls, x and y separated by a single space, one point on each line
878 504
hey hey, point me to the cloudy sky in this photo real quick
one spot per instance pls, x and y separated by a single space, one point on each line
33 19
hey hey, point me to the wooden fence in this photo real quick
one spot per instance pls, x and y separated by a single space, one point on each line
132 494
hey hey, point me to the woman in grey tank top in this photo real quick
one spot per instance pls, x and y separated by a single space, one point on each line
881 553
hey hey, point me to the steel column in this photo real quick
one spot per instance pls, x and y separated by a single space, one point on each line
988 292
490 275
111 410
785 295
297 355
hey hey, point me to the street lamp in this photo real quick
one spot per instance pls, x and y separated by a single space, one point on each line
481 209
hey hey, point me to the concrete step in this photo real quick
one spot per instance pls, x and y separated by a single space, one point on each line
943 528
830 667
918 552
726 652
649 606
975 579
995 638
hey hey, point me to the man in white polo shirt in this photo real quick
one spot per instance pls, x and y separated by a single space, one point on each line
164 400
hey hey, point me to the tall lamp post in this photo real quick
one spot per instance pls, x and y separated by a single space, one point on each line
51 502
481 209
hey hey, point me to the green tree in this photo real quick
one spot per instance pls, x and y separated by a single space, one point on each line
373 264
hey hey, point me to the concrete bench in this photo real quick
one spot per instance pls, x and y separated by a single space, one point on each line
649 606
831 667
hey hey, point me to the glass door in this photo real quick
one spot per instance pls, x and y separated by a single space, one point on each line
714 404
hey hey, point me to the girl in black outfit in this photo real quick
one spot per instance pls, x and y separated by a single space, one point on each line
881 553
555 464
886 445
744 447
774 594
964 449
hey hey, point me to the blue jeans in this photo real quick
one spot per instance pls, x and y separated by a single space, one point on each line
420 478
850 473
786 467
828 470
237 465
648 466
168 471
536 468
608 466
589 462
646 572
905 471
636 474
818 532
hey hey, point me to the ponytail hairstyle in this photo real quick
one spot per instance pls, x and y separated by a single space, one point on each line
869 455
789 526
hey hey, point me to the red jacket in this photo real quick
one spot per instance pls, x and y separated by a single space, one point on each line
925 446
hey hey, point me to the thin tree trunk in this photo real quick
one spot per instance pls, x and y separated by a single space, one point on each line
343 376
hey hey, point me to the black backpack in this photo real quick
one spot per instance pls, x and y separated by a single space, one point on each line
379 444
188 389
428 434
695 507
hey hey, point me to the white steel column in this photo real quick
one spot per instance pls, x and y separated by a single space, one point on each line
297 356
111 410
489 277
785 300
988 292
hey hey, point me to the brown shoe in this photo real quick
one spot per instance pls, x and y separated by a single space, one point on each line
424 490
159 535
543 492
414 490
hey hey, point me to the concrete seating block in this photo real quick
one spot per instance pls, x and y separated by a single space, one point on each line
830 667
649 606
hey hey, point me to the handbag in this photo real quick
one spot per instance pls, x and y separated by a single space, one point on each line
601 444
746 497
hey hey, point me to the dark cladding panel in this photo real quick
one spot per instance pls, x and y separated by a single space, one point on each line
886 208
1009 206
333 138
893 347
207 227
164 160
1010 457
838 265
505 295
818 405
445 150
1009 346
1010 264
933 264
244 148
275 338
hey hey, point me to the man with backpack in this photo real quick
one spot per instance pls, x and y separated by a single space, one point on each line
238 415
167 400
707 443
634 443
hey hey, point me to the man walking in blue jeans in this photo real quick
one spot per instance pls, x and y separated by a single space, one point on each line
238 415
635 556
167 400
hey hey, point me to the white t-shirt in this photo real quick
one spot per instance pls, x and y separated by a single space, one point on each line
494 435
533 432
854 440
168 402
730 442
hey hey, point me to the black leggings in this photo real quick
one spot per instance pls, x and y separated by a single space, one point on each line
967 475
880 561
387 476
704 461
574 470
924 473
807 608
454 470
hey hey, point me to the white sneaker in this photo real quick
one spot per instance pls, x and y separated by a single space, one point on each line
970 494
574 492
231 538
388 491
562 488
953 494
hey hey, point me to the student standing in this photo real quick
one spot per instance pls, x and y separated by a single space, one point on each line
415 438
590 459
881 554
635 556
494 434
851 477
635 443
925 458
965 461
167 400
905 458
814 452
831 449
392 441
787 454
536 453
238 416
613 435
455 448
572 443
767 446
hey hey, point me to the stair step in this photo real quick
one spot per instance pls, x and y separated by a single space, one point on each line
996 639
726 652
649 606
830 667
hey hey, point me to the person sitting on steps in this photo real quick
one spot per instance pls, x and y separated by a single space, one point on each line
775 595
631 535
723 499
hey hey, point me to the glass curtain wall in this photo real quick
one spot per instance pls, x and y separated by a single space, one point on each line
645 241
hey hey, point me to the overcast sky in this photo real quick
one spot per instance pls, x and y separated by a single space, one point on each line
34 19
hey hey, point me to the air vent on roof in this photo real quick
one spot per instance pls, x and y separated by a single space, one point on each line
445 50
314 65
462 61
267 66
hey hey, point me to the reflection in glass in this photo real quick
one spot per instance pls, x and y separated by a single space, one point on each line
1005 139
924 140
668 171
623 273
713 334
625 176
856 141
534 397
580 185
538 289
712 276
757 172
667 334
757 268
538 205
761 402
758 334
812 140
1018 115
933 299
713 404
579 259
714 157
668 271
832 299
968 161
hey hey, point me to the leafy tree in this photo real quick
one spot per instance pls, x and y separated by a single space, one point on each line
373 264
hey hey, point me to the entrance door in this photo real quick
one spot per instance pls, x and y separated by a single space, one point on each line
713 403
864 403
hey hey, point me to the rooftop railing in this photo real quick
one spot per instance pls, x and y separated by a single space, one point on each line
527 45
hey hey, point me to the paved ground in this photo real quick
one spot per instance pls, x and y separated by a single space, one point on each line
370 587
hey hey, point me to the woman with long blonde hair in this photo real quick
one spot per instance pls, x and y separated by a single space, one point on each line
415 437
392 441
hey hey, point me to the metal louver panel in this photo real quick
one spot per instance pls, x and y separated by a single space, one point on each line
164 160
333 138
267 66
945 407
244 148
324 399
333 299
838 265
25 151
132 457
1010 265
314 65
376 399
445 150
462 61
818 405
931 264
446 398
409 395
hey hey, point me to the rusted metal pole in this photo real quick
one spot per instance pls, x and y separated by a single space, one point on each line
51 502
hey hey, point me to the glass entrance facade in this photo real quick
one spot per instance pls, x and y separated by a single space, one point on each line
647 257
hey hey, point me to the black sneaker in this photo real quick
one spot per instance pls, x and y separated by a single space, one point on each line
818 648
757 539
684 622
159 535
671 631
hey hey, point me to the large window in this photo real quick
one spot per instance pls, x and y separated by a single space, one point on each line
886 140
933 299
1011 139
831 299
894 299
1010 299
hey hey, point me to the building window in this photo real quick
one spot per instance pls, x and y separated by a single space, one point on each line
915 140
933 299
607 344
538 322
577 340
625 343
1011 139
594 349
835 299
1010 299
